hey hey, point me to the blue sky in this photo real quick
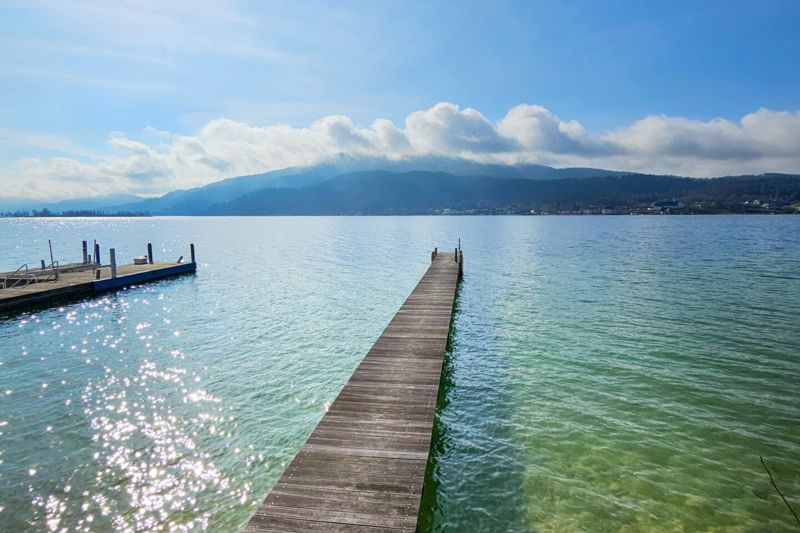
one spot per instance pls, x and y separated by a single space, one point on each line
102 97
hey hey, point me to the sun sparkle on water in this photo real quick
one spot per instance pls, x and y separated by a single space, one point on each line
615 373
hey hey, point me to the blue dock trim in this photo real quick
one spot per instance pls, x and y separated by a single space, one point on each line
141 277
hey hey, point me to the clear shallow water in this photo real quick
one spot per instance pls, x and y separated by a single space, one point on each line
611 373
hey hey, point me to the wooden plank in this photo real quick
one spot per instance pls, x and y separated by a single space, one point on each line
269 523
319 518
363 467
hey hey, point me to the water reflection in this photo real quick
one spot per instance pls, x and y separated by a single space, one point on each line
608 373
154 452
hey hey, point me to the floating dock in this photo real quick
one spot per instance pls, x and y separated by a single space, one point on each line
362 469
29 288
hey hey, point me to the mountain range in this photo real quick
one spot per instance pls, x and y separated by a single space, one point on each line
100 203
347 186
209 199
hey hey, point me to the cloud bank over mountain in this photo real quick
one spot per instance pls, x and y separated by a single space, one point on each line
158 161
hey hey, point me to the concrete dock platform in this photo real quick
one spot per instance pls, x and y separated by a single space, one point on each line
82 280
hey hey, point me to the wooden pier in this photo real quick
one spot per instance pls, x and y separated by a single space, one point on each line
25 289
362 469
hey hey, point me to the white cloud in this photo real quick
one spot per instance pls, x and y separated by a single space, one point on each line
160 27
11 138
763 141
536 128
80 79
446 129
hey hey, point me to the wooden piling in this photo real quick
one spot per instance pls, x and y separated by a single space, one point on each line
363 467
97 253
149 253
113 258
191 249
85 252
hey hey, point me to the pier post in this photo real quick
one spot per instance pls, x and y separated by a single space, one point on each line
460 264
97 253
113 256
97 274
149 253
191 249
85 253
43 265
455 256
436 252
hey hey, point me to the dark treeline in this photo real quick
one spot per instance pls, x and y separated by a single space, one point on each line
69 213
386 193
378 192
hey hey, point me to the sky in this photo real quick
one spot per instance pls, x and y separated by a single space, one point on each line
102 97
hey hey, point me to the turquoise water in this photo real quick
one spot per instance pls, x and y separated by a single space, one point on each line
606 374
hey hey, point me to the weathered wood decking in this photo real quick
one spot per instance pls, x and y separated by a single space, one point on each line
363 467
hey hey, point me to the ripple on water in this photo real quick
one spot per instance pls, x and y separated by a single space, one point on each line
606 374
623 383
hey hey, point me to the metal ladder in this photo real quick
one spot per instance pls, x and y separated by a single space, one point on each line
10 281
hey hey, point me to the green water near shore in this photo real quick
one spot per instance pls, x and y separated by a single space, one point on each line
606 374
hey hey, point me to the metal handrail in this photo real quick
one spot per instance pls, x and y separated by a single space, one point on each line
54 275
28 278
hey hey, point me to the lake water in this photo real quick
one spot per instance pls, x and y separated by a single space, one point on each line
606 373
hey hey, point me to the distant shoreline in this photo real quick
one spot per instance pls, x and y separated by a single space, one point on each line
76 215
566 214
